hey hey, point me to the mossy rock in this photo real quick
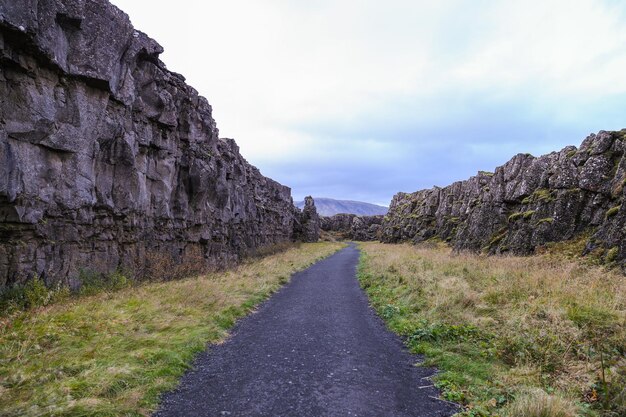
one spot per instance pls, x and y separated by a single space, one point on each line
549 220
612 211
611 254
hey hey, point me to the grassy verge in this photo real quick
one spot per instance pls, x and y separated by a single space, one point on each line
113 353
512 336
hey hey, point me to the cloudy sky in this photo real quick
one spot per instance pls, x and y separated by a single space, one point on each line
360 99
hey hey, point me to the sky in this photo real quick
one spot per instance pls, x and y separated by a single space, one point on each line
361 99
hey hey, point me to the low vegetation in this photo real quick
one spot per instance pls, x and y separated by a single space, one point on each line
512 336
115 352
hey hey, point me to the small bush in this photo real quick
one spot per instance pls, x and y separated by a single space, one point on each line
611 393
161 265
34 293
92 283
537 403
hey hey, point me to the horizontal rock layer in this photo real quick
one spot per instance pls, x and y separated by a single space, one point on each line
353 227
105 155
526 203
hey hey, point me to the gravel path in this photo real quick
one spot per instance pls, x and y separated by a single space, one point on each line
315 348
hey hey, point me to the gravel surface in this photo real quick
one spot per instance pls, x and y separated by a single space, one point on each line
315 348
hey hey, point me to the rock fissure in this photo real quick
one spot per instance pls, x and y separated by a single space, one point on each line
106 156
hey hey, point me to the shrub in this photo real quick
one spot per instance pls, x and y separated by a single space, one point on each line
34 293
92 283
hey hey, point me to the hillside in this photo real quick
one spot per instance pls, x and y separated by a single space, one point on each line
576 193
330 207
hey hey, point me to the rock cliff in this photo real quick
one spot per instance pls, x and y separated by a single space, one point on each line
526 203
105 155
353 227
307 222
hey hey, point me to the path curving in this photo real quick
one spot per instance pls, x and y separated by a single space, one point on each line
315 348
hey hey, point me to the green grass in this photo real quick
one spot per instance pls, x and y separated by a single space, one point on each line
512 336
114 353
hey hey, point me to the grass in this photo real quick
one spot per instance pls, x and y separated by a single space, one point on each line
114 353
512 336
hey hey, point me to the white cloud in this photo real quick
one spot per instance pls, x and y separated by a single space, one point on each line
271 67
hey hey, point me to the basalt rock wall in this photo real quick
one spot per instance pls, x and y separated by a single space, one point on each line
105 155
526 203
353 227
307 222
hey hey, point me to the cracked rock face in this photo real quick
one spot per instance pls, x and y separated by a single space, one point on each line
353 227
526 203
106 155
307 222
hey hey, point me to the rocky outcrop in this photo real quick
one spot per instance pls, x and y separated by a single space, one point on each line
105 155
307 222
353 227
526 203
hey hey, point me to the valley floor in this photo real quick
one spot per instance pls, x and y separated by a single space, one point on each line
513 336
537 336
315 348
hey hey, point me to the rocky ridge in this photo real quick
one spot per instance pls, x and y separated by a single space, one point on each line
106 155
353 227
526 203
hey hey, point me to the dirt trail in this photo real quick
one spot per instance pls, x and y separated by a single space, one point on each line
315 348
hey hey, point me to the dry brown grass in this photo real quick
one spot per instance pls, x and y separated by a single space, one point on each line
537 403
534 321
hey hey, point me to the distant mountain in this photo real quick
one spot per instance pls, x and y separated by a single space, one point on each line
330 207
